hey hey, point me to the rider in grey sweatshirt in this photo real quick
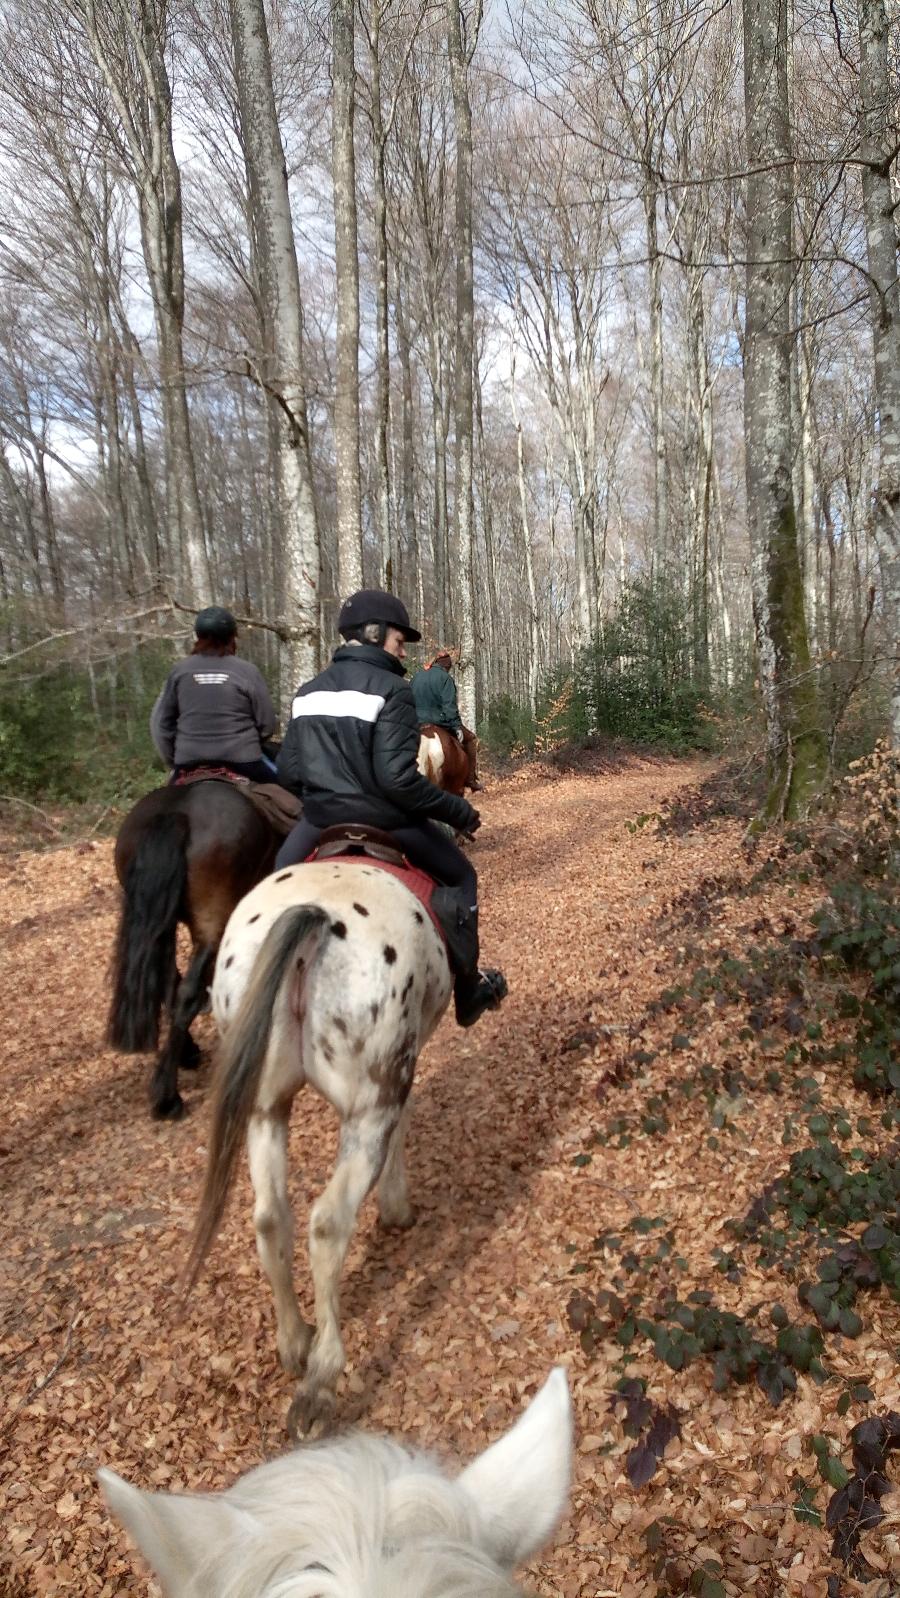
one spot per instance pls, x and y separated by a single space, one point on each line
215 709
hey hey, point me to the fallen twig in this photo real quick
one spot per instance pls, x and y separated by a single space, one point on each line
10 799
45 1381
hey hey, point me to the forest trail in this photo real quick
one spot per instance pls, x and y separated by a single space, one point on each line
450 1326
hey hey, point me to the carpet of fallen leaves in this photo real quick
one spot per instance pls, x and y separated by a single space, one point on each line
451 1327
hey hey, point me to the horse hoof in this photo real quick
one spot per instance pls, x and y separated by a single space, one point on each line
311 1414
398 1220
169 1109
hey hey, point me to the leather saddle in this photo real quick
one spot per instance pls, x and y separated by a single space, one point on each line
447 907
279 808
355 838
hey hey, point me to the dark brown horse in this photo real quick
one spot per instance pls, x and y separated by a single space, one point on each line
183 854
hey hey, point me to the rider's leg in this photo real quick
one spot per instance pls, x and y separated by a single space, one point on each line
298 844
429 848
470 750
475 990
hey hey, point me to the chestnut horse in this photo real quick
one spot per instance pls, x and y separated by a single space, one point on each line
183 854
442 759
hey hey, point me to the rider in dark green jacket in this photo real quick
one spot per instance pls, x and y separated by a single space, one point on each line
435 694
436 703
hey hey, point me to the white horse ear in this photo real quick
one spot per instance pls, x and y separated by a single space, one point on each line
520 1484
179 1535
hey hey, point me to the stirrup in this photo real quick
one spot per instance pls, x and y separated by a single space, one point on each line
489 988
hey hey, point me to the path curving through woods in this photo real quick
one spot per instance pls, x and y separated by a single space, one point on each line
447 1327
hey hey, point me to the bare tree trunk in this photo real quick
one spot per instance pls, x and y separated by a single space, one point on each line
129 48
724 652
490 614
390 576
534 661
407 450
346 397
282 374
878 149
460 56
806 496
657 389
440 522
796 747
699 415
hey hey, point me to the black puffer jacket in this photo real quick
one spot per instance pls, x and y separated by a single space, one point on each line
350 749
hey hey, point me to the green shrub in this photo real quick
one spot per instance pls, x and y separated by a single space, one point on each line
638 682
70 736
507 728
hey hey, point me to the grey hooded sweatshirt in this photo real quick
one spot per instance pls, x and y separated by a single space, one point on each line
213 708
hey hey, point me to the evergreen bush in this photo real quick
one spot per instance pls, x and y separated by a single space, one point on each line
638 682
74 736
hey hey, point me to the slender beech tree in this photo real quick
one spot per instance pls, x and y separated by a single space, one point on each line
879 150
129 43
796 746
462 36
381 117
282 367
380 134
534 624
346 252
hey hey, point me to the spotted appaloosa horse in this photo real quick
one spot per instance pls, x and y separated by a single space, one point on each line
360 1515
183 854
442 759
330 973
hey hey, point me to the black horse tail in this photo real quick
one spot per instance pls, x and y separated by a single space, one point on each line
241 1059
144 969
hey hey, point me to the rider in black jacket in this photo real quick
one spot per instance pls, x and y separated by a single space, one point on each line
350 754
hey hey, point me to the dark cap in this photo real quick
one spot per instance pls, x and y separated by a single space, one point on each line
372 604
215 623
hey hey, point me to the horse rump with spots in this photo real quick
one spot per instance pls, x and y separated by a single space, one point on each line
363 1516
183 854
330 973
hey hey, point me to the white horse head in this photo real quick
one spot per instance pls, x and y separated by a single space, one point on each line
361 1517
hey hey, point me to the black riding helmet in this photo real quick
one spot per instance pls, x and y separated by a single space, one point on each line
216 624
373 605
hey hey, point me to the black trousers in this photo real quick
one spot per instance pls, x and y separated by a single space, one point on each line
424 845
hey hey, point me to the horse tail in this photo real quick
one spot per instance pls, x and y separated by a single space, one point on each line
144 969
242 1057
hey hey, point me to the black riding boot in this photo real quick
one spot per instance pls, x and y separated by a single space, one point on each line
477 991
474 990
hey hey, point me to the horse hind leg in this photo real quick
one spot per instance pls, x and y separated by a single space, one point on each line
361 1155
267 1140
189 1001
180 1050
394 1208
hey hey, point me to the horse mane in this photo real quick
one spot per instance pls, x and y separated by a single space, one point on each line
358 1517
